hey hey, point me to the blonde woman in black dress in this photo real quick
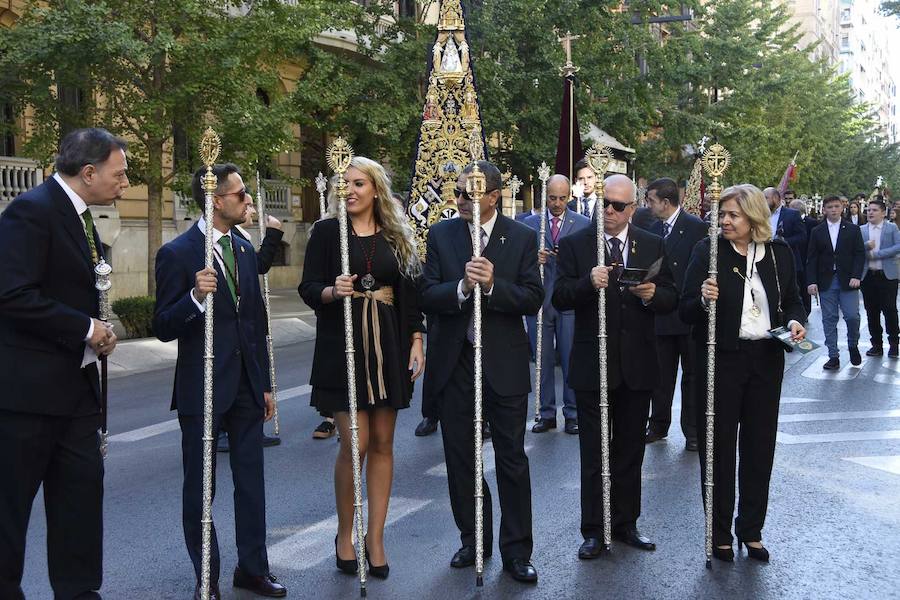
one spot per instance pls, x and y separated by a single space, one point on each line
388 329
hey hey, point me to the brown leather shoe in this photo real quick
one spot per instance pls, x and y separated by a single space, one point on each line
262 585
213 592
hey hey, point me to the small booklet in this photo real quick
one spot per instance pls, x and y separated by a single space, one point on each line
783 335
638 276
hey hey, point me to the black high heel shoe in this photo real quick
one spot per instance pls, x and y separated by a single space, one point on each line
379 572
760 554
345 566
723 554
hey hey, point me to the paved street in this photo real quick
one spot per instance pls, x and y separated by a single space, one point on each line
832 528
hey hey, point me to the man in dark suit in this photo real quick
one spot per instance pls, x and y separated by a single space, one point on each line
834 271
584 199
511 287
633 371
680 231
241 398
809 223
50 338
558 327
787 225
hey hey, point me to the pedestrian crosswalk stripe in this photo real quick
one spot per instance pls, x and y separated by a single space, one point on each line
891 464
848 436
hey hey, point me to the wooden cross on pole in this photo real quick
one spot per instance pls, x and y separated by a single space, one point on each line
566 41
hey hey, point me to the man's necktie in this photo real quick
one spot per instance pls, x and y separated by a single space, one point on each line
228 260
666 229
89 233
586 208
554 229
470 330
615 258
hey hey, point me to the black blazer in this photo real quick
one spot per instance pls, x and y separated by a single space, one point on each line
630 325
823 261
512 249
321 267
47 300
732 287
790 228
240 335
645 219
686 232
265 255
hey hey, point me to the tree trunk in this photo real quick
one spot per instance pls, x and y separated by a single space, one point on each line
154 209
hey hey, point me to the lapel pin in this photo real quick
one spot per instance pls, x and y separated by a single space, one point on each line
633 246
242 249
502 239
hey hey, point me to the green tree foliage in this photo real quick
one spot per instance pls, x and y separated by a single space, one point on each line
150 67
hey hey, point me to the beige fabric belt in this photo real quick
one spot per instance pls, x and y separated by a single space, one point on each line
384 295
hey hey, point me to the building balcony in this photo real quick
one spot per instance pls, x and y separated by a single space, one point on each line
17 175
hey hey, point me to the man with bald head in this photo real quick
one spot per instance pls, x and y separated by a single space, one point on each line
787 225
632 360
558 327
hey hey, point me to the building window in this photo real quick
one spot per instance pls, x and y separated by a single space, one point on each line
72 108
845 41
7 139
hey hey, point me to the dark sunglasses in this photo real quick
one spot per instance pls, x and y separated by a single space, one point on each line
464 194
240 193
617 206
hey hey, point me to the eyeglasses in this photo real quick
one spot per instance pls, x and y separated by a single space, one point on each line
240 193
465 195
617 206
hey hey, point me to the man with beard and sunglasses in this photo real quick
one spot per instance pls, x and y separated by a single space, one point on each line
511 288
632 359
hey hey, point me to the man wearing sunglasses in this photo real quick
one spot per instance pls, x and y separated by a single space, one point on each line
511 287
632 363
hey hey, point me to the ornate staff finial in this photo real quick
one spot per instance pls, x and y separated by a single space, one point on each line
544 172
715 162
476 145
515 184
321 183
210 147
339 156
598 158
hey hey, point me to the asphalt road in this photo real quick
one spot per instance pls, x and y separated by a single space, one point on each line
832 529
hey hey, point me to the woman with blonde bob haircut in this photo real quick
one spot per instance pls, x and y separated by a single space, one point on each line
755 291
387 327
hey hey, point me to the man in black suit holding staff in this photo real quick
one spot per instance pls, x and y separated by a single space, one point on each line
511 287
633 368
50 338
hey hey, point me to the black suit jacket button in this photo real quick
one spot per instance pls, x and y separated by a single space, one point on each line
675 263
237 352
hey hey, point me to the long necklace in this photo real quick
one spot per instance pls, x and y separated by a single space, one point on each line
755 310
368 280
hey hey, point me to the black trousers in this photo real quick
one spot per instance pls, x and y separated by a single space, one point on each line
748 391
880 298
507 416
244 424
628 420
672 349
63 454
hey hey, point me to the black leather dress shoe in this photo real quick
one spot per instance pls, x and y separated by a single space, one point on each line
633 538
874 351
832 364
465 557
571 427
855 358
262 585
690 445
521 569
894 352
426 427
544 425
654 436
590 549
213 592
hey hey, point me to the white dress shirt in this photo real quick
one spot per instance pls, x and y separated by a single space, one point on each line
671 222
875 236
217 235
488 227
833 230
80 206
773 221
754 328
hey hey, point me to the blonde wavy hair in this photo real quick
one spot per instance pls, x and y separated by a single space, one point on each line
752 201
389 215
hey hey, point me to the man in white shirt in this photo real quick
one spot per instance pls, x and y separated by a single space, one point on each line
879 284
585 181
833 271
